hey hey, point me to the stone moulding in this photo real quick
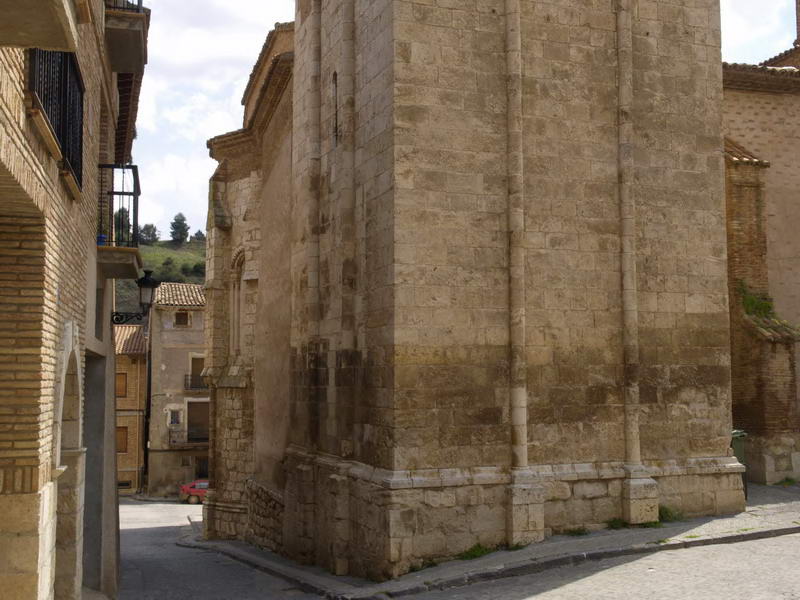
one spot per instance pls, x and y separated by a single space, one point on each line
435 478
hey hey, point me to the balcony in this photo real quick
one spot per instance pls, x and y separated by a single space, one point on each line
194 382
118 233
127 24
48 24
192 437
55 105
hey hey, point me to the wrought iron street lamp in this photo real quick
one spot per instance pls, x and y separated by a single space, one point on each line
147 291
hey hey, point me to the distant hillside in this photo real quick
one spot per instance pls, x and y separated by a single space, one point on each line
181 264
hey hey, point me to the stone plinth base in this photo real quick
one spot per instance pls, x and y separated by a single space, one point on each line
27 557
353 519
223 520
525 513
640 500
772 458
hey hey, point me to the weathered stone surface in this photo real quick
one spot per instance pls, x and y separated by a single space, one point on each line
388 197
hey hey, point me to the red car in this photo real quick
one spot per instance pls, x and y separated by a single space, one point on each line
194 492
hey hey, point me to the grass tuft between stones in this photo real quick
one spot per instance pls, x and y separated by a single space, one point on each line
669 515
577 531
617 523
476 551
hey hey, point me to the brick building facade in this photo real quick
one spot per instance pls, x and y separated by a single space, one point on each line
63 114
130 389
761 111
467 280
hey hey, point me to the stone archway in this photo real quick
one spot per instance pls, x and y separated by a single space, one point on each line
68 472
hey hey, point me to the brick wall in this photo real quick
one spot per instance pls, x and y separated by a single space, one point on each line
130 414
768 124
47 301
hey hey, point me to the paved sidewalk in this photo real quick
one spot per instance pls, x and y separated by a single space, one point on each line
772 511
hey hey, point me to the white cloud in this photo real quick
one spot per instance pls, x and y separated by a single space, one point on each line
200 57
754 31
201 53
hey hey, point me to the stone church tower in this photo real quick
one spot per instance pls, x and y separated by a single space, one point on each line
467 279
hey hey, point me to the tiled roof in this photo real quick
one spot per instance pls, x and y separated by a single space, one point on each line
770 62
773 329
180 294
130 339
739 154
761 78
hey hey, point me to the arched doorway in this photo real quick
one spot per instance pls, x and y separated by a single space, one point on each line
68 468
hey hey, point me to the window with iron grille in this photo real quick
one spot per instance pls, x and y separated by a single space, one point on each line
57 89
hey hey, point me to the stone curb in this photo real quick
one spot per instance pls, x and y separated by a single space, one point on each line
315 584
138 498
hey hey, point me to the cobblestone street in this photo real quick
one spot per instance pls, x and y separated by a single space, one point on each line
758 570
154 568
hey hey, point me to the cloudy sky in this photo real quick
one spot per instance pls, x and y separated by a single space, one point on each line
201 53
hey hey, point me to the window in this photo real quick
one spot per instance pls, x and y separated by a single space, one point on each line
124 485
201 485
121 385
198 362
198 422
122 440
174 417
194 379
237 308
57 89
181 319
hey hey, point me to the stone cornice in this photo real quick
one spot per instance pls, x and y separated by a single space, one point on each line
492 475
232 144
760 78
265 51
275 84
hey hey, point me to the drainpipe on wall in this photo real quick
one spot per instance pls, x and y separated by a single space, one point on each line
145 470
315 178
640 492
525 513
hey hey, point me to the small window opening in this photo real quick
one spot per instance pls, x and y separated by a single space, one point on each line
181 319
335 110
124 485
121 385
122 440
174 417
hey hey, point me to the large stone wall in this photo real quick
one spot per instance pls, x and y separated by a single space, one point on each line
423 199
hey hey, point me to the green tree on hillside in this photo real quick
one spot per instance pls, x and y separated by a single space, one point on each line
199 236
179 229
149 235
122 225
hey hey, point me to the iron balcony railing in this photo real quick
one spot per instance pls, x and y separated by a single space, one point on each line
194 435
194 382
119 206
127 5
57 87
